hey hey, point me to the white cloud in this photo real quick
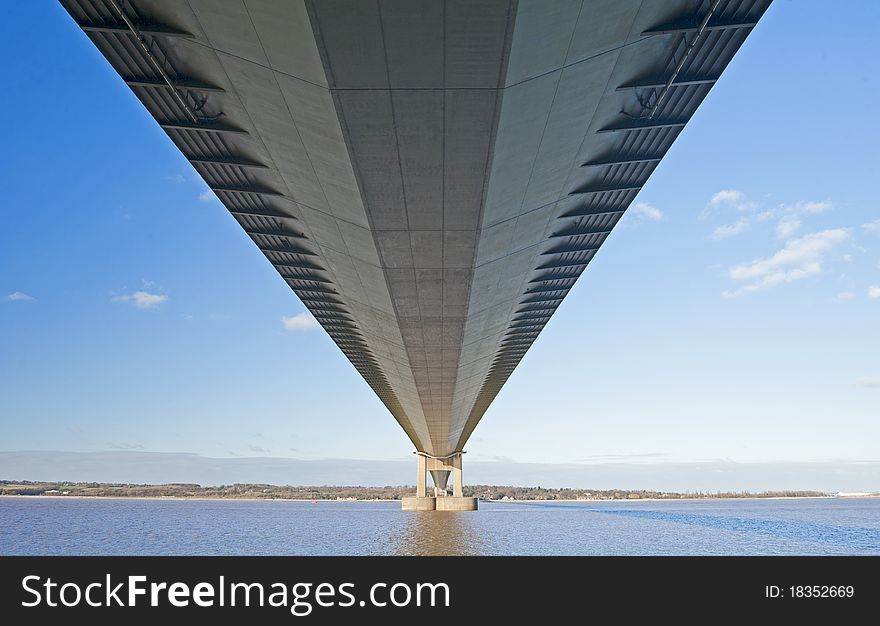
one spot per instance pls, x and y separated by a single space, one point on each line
799 259
874 292
19 296
300 321
844 296
787 226
739 201
868 381
648 211
730 230
732 198
727 196
803 206
142 299
207 195
872 227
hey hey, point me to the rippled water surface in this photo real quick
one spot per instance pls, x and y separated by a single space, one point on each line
54 526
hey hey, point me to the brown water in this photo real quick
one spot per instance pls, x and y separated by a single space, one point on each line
50 526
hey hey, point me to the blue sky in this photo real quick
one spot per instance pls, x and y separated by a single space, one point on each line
735 313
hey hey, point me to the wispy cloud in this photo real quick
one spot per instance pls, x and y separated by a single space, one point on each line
799 259
142 299
732 198
872 227
845 296
729 230
788 215
808 206
207 195
123 445
868 382
300 321
625 458
648 211
258 449
726 196
874 292
787 226
19 296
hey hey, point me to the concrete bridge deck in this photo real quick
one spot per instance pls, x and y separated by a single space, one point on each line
430 177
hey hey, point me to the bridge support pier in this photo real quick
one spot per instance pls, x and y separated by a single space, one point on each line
440 468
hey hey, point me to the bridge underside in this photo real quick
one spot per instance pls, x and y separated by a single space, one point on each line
430 177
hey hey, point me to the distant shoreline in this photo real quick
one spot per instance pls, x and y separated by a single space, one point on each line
707 498
259 492
360 501
206 498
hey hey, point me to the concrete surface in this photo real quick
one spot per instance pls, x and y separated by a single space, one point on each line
430 172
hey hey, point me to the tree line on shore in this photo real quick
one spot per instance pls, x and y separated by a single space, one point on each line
328 492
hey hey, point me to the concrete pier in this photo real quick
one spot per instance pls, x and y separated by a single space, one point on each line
451 503
416 503
440 468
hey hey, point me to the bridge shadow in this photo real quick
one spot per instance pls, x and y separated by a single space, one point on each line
438 533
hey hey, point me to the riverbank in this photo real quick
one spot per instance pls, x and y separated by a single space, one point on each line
184 498
332 493
355 501
707 498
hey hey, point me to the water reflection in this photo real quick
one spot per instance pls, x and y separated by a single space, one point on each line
438 533
50 526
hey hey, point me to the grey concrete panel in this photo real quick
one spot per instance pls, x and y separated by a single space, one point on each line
394 248
542 36
476 34
524 114
495 242
419 125
350 37
618 22
228 27
359 242
575 100
468 138
269 114
535 226
324 228
373 144
458 248
427 248
314 116
285 33
413 37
